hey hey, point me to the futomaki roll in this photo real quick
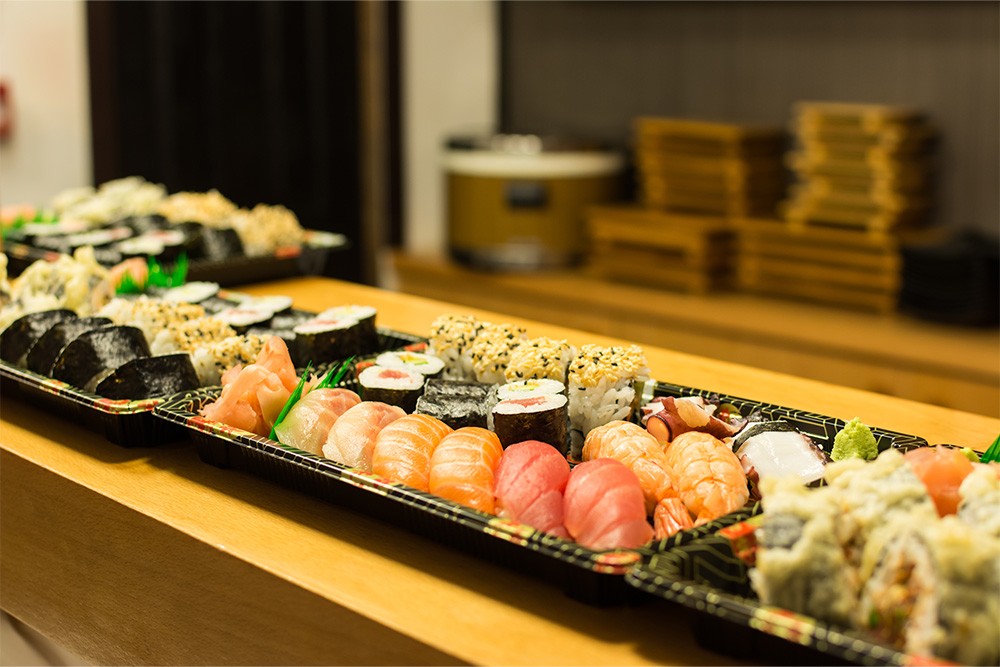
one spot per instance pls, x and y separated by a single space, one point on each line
321 340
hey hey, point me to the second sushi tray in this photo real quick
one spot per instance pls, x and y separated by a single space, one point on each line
594 576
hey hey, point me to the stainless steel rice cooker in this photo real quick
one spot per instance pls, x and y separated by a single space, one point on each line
519 201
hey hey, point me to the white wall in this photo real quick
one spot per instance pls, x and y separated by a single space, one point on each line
450 85
43 59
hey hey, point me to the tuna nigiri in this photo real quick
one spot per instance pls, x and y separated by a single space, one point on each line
253 397
529 484
352 438
604 507
463 466
307 425
403 449
942 470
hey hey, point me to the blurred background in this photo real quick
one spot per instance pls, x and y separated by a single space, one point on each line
805 187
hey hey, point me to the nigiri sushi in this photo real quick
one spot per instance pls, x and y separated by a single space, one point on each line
403 449
604 507
463 467
529 484
352 438
942 470
307 425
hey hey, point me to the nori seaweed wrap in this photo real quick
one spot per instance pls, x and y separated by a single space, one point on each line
324 340
17 339
150 377
465 388
542 417
455 411
43 354
93 355
393 386
367 335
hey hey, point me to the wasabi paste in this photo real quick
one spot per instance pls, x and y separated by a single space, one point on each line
854 440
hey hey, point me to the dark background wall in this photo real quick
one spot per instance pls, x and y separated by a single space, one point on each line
259 100
589 68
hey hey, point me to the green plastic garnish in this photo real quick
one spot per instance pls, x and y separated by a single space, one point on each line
335 375
292 400
992 453
157 276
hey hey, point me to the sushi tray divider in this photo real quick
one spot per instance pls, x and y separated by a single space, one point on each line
592 577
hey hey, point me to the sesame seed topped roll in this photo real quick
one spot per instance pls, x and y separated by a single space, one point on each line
540 359
451 340
491 351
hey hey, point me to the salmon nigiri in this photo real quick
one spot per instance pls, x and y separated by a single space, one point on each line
463 466
530 480
253 397
403 449
604 507
307 425
352 438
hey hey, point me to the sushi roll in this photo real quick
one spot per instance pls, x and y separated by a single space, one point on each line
601 388
150 377
193 292
393 386
43 354
936 591
529 388
541 417
442 387
291 318
212 359
427 365
321 340
540 358
777 449
367 334
18 338
451 341
276 303
241 319
979 494
491 351
457 403
94 355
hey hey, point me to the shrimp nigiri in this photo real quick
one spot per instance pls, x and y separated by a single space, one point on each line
633 446
352 438
403 449
463 467
307 425
709 477
604 506
530 480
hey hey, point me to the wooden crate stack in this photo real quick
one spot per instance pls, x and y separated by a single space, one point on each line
654 248
863 175
860 166
694 178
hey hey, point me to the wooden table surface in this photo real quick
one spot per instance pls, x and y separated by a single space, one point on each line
149 556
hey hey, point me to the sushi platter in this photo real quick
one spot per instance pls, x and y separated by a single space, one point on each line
594 576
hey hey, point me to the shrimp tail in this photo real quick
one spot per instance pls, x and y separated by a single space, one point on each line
670 516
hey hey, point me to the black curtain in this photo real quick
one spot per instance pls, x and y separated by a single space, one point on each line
259 100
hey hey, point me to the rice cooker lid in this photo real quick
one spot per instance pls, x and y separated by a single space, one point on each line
529 156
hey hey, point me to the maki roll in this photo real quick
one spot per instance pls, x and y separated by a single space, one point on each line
540 358
364 316
291 318
150 377
777 449
193 292
451 341
491 351
601 388
241 318
936 591
94 355
523 389
43 354
426 364
440 387
18 338
541 417
322 340
393 386
456 403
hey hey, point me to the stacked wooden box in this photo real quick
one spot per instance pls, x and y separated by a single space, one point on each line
694 179
860 166
654 248
711 168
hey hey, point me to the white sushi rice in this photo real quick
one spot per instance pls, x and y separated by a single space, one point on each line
425 364
381 377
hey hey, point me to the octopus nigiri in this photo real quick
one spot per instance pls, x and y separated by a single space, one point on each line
252 397
604 506
710 479
403 449
352 438
307 425
529 484
463 467
633 446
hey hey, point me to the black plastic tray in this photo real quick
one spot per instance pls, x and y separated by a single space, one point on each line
595 577
309 259
123 422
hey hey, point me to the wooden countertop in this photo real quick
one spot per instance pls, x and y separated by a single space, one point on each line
149 556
